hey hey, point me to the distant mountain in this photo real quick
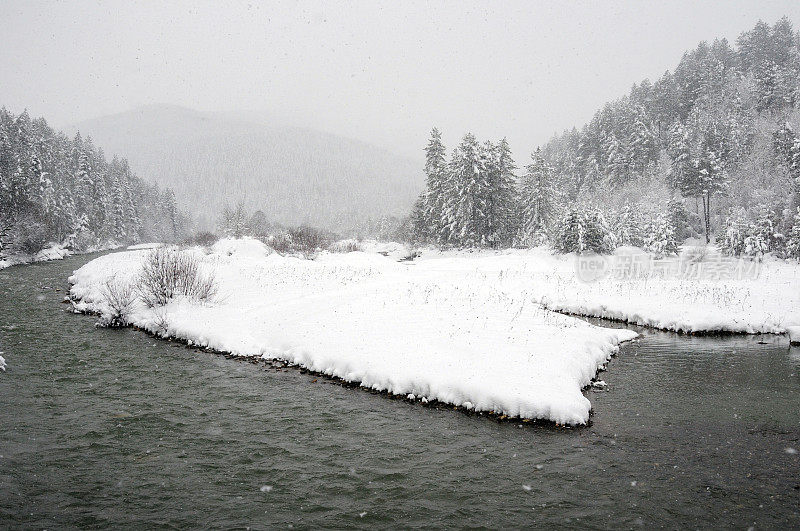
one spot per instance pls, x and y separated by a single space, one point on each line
294 175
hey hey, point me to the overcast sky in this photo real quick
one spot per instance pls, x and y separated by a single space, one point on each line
382 72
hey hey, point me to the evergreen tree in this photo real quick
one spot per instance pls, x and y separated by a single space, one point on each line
537 200
629 227
430 221
501 197
679 219
584 230
793 239
466 204
659 236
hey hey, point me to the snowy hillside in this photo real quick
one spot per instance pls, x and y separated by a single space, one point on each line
293 175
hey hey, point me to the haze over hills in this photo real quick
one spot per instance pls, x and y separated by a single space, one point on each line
294 175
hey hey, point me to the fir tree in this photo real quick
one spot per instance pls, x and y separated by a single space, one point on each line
430 221
501 197
466 204
659 236
793 238
629 227
537 200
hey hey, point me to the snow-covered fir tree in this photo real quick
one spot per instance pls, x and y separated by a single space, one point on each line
659 236
584 229
629 226
466 208
432 201
501 197
732 241
793 238
537 201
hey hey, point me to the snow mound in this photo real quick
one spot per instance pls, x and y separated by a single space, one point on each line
441 330
2 363
391 250
244 248
54 252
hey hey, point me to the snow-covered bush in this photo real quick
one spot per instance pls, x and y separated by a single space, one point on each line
659 236
120 298
344 246
584 230
168 272
628 225
299 240
751 238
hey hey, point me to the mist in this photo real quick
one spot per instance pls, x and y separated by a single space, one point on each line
380 72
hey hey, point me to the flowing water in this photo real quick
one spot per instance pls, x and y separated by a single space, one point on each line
104 428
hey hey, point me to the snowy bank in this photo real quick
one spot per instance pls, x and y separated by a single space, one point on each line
53 252
693 294
440 329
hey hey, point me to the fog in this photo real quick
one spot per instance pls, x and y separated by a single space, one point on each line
383 72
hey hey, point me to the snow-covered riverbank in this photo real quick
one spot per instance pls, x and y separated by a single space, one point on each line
424 328
54 252
59 252
705 294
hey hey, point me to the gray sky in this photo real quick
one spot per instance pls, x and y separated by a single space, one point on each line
381 72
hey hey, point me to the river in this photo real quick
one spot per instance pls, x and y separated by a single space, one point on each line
103 428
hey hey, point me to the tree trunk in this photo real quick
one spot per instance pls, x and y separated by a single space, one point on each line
705 218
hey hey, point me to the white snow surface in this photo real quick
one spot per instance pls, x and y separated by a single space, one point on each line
768 303
461 329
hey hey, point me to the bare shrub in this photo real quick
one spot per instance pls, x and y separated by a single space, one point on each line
309 239
161 323
119 296
203 239
167 273
281 243
344 246
303 240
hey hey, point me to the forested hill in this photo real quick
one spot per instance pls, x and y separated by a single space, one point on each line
720 131
293 175
710 150
62 190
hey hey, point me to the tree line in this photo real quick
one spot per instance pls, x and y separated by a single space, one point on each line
55 189
710 150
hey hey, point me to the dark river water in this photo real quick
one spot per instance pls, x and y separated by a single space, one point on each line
102 428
